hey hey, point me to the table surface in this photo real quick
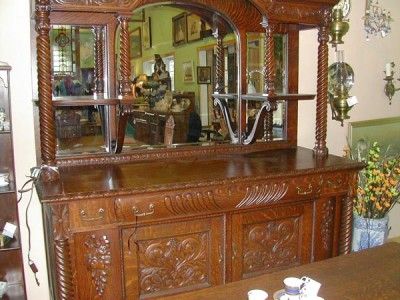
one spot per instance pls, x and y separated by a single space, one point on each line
369 274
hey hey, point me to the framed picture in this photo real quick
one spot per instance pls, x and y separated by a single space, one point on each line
179 29
136 43
194 24
188 71
204 75
146 33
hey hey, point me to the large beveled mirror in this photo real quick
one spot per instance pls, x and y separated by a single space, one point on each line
173 75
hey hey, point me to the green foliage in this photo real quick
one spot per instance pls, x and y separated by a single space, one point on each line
378 183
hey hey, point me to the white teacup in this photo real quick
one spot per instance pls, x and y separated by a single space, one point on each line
257 295
293 286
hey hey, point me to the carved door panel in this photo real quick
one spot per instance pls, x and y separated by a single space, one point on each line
98 264
271 239
171 258
327 227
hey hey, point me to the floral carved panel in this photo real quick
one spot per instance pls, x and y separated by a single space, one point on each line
98 261
170 263
270 245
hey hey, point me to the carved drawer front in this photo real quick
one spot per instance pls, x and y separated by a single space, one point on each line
169 258
138 208
271 239
87 213
336 183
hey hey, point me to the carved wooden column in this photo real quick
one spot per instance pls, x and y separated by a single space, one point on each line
46 111
62 255
320 149
125 63
98 32
346 223
269 75
219 66
125 84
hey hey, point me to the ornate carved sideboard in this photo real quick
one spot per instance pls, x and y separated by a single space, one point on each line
158 221
121 234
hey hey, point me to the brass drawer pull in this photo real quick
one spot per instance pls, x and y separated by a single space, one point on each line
84 216
138 213
300 191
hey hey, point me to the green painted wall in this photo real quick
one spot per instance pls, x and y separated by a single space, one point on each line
161 31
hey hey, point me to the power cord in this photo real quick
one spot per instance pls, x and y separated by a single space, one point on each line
35 172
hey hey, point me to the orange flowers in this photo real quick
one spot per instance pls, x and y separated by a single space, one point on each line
378 185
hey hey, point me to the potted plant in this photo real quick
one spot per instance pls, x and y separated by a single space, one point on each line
377 193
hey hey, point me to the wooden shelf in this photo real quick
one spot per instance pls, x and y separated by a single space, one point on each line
83 101
261 97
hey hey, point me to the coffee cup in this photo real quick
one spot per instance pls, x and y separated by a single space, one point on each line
293 287
257 295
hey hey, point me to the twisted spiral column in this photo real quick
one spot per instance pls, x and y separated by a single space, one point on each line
125 64
269 74
219 67
320 149
346 227
65 286
99 60
46 111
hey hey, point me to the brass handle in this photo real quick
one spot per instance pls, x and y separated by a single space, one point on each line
138 213
84 216
300 191
220 254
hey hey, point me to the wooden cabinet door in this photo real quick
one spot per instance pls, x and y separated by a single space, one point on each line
175 257
269 239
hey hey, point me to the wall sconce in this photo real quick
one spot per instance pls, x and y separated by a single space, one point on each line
390 89
340 81
376 19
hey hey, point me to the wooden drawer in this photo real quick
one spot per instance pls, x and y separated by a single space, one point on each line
88 213
138 208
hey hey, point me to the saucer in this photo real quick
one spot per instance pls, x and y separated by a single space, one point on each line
281 295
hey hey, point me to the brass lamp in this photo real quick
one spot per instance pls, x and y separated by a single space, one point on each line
338 27
340 81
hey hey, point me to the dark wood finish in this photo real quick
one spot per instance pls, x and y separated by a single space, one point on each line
46 115
160 222
367 275
320 148
259 202
11 264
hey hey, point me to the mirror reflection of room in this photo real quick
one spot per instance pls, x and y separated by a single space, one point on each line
176 45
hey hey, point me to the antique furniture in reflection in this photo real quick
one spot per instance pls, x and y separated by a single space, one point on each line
337 275
166 220
149 124
11 267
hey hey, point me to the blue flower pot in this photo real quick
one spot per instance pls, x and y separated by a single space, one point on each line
368 233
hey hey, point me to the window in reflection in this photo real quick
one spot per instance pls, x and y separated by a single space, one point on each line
72 49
